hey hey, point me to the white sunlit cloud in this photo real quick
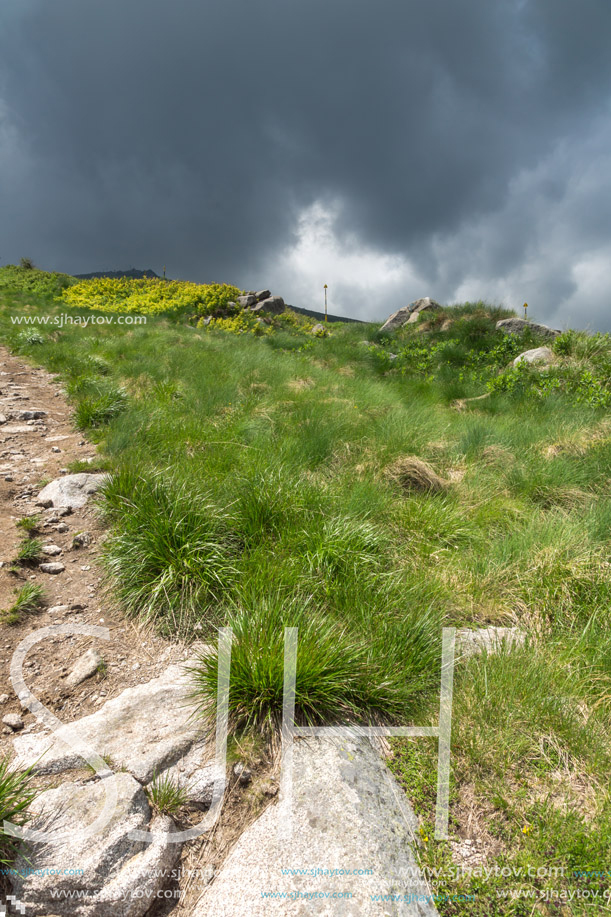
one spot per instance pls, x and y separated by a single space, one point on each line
362 282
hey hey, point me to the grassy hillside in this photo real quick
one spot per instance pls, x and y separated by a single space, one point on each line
276 478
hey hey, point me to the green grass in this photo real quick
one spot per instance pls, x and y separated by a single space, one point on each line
166 796
28 600
16 795
248 486
29 551
29 524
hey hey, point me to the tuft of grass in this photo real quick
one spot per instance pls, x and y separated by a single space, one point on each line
171 558
29 599
29 551
16 795
96 410
340 675
166 796
29 524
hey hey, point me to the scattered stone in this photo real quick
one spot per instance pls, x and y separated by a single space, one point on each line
519 325
319 330
245 302
86 666
30 415
155 716
263 294
55 449
489 639
13 721
71 491
2 418
3 698
243 773
537 355
52 550
9 477
273 305
404 315
62 527
81 540
346 810
52 568
120 875
58 609
269 789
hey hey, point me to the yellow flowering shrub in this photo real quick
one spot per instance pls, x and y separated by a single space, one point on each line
245 322
242 322
149 295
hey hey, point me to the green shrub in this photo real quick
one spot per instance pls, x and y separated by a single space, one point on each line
29 599
170 555
16 795
30 551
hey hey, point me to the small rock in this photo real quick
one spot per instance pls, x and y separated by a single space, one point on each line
3 698
13 721
519 325
269 789
537 355
30 415
9 477
58 609
62 527
52 568
245 302
243 773
70 491
52 550
319 330
273 305
81 540
263 294
55 449
86 666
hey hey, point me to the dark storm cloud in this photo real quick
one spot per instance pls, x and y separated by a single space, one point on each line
195 135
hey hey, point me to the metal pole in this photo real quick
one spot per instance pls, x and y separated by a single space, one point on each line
326 302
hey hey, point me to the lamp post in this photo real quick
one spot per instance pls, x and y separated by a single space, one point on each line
526 311
326 302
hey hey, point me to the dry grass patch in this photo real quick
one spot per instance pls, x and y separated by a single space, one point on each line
412 474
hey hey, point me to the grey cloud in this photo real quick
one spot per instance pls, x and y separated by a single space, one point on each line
143 133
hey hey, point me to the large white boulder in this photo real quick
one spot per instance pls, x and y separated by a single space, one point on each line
73 490
407 313
106 875
348 817
145 730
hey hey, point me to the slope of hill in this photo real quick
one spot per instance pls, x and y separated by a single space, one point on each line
371 492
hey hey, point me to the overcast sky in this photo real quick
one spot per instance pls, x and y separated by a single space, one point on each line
459 149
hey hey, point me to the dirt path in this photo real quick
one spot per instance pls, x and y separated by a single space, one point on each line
41 449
